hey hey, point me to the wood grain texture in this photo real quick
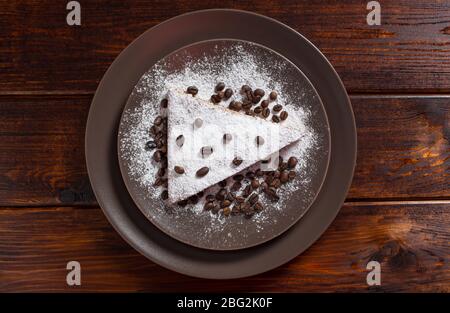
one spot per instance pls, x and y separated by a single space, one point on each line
403 149
410 51
410 241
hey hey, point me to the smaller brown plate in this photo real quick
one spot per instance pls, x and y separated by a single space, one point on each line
192 225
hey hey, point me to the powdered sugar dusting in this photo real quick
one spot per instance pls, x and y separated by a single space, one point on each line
236 65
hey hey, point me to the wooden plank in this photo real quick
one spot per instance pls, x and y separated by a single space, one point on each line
410 51
403 149
410 242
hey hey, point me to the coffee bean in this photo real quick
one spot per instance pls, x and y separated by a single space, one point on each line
225 203
221 94
250 175
198 122
164 103
202 172
258 207
165 195
264 185
237 161
215 99
253 198
220 195
238 177
161 172
292 162
215 209
192 90
230 196
239 199
227 138
223 183
228 93
265 112
283 115
158 121
246 105
220 86
259 172
245 88
210 198
179 170
273 95
157 156
247 191
272 193
275 118
182 203
154 130
159 144
283 166
208 206
226 211
235 209
180 141
250 112
236 186
256 99
164 149
235 105
292 175
257 110
276 183
277 108
269 179
206 151
259 140
255 183
276 174
150 145
284 177
265 104
249 95
259 92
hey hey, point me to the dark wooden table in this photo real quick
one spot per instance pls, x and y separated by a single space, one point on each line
397 211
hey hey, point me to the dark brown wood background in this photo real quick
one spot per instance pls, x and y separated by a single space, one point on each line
398 208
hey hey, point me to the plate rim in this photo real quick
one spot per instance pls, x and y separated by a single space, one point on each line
134 242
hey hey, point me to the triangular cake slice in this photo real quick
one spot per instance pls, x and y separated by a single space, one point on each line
195 126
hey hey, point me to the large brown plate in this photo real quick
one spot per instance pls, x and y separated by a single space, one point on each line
205 230
118 83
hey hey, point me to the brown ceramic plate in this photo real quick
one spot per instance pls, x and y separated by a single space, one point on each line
193 225
112 95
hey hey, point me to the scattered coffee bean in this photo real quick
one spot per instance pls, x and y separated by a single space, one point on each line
179 170
284 115
223 183
259 173
259 93
180 141
292 162
198 122
157 156
202 172
239 199
258 110
292 175
208 206
230 196
192 90
226 211
215 99
237 161
159 144
158 121
275 118
264 185
227 138
228 93
165 195
276 174
258 207
154 130
276 183
256 99
236 186
246 105
210 197
283 166
236 209
265 112
238 177
253 198
265 104
206 151
164 103
150 145
272 193
259 140
277 108
284 177
220 195
250 113
255 183
273 95
220 86
225 203
215 209
250 175
221 94
235 106
247 191
245 88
